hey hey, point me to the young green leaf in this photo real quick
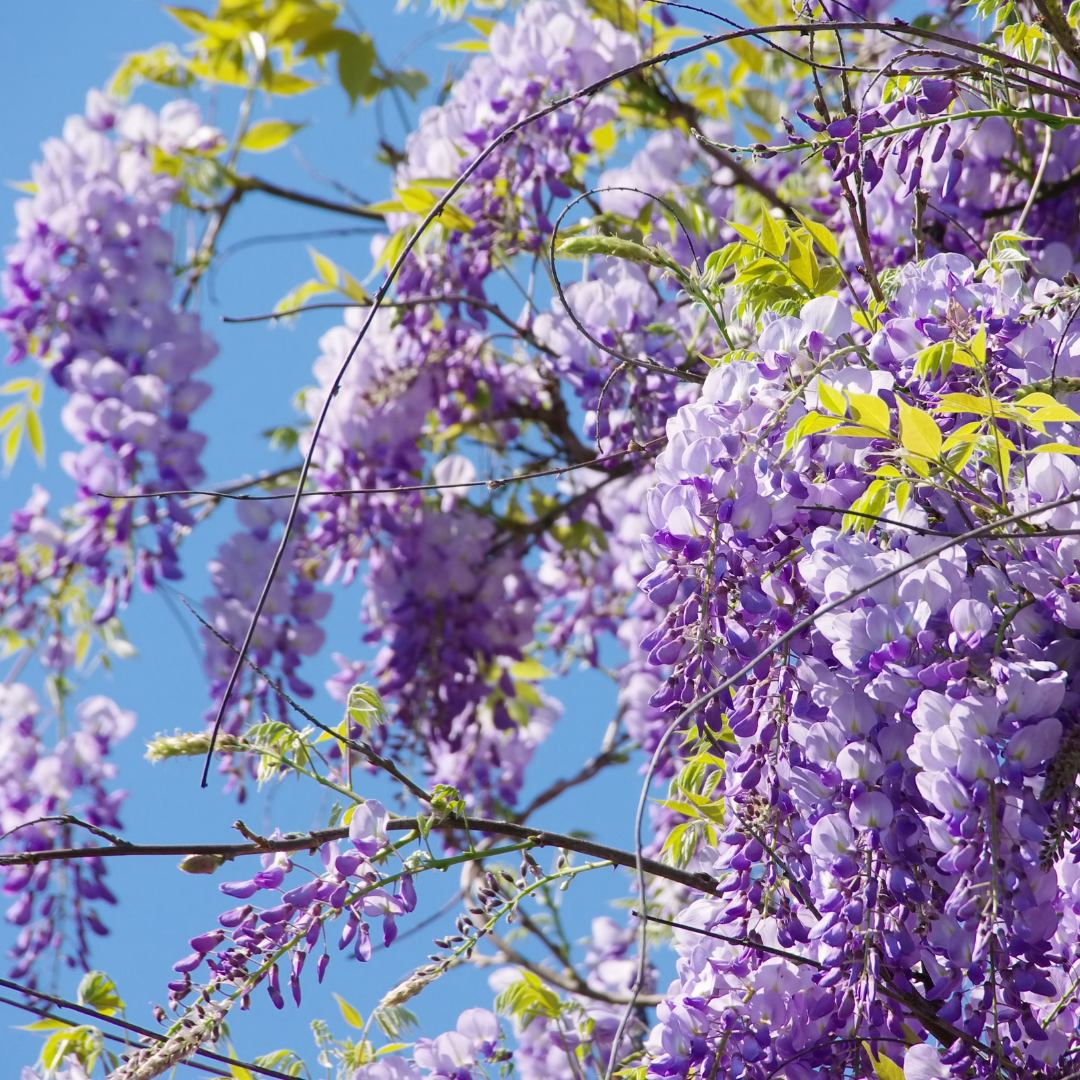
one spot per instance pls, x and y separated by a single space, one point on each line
870 411
885 1067
822 236
831 398
577 247
918 432
773 238
268 135
351 1016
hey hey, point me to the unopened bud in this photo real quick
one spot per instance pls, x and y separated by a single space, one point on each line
200 864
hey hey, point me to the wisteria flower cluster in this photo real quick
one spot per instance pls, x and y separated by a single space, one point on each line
47 790
88 287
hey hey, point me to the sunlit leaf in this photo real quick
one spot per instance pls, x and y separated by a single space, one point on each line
268 135
918 432
823 237
831 398
352 1017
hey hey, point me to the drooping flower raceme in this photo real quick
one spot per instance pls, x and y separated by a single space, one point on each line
891 756
89 290
55 907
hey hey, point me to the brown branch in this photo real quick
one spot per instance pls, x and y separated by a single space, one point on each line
1053 18
313 840
749 943
608 756
254 183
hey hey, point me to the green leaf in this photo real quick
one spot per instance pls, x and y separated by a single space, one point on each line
918 432
581 246
977 346
268 135
831 398
8 415
870 503
772 235
1051 414
829 277
1056 448
418 199
822 236
365 706
410 80
324 267
192 19
18 386
885 1067
36 435
97 991
45 1025
282 438
352 288
870 410
964 403
299 296
352 1017
527 998
287 84
529 668
802 264
356 57
395 1020
11 443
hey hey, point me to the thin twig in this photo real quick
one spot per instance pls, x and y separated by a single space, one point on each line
364 749
254 183
107 1035
412 302
575 985
750 943
491 485
63 1003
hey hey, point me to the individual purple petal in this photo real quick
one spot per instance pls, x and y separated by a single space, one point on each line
189 963
240 889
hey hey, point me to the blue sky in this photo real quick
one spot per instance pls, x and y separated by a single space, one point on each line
51 52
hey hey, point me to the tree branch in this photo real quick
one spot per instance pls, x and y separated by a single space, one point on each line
609 755
1053 18
313 840
1047 192
254 183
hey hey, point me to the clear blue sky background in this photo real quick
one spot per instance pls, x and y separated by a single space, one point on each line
51 52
